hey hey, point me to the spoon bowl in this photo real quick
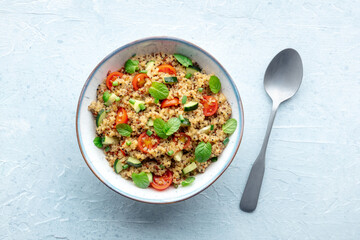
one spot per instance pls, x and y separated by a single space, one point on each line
283 76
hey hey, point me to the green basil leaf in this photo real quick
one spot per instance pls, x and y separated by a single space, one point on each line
158 91
131 66
124 129
185 61
187 181
160 127
98 142
230 126
214 84
172 126
141 180
203 152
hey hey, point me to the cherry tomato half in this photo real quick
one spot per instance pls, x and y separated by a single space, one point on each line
162 182
183 139
121 116
139 80
145 142
210 105
170 102
166 68
123 153
111 78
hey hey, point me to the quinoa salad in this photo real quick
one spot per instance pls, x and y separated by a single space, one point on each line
161 120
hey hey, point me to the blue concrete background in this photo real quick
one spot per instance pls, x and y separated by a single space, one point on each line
311 187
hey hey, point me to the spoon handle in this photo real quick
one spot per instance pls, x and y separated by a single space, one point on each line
251 192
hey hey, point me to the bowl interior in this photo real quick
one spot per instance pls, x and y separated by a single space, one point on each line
86 125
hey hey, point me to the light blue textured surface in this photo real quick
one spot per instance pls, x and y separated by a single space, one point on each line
311 187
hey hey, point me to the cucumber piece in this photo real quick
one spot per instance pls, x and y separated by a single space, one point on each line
112 98
150 122
170 80
118 166
149 65
150 176
109 140
133 162
185 122
205 130
190 106
178 156
191 167
137 105
192 70
214 159
100 117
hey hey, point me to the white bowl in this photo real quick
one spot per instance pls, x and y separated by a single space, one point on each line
85 123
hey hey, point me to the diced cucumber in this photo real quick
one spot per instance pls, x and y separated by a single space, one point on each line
226 141
150 122
214 159
205 130
150 176
185 122
170 80
137 105
109 140
112 98
118 166
191 167
191 106
192 70
100 117
133 162
178 156
149 65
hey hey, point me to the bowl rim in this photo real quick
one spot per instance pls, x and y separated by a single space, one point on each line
166 38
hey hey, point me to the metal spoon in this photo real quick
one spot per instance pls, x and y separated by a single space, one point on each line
281 81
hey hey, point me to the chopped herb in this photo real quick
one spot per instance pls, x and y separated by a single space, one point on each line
106 96
187 181
117 99
131 66
226 141
107 149
132 101
115 83
142 106
149 133
203 152
171 152
98 142
143 71
188 75
128 143
214 84
230 126
185 61
125 166
211 127
124 129
200 89
161 166
184 99
181 118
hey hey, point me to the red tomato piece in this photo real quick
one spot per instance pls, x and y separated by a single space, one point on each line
161 183
170 102
166 68
121 116
210 105
139 80
111 78
145 142
183 138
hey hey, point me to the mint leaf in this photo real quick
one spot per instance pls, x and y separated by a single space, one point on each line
187 181
203 152
214 84
230 126
160 127
185 61
141 180
124 129
131 66
173 125
158 91
98 142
